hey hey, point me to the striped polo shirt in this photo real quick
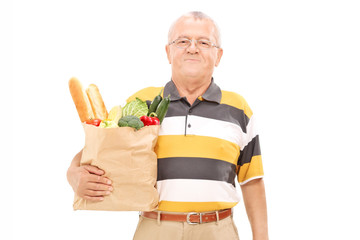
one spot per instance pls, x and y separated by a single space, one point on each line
202 148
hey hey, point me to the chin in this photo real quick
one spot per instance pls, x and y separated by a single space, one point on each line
192 75
192 72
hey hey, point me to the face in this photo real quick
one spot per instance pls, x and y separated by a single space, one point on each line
193 62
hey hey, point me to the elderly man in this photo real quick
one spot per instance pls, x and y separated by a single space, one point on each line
207 139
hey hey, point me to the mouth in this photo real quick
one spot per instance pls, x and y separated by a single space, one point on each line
192 60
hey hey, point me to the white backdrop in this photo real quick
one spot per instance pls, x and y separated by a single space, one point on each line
296 63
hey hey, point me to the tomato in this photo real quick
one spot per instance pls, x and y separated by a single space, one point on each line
155 121
95 122
150 120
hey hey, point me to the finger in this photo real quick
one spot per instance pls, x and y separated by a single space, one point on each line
93 193
94 170
93 199
98 187
99 179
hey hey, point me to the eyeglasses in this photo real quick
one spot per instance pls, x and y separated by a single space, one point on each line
185 43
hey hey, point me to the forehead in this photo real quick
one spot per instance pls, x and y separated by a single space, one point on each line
194 28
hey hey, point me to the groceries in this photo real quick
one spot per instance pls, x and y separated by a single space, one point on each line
154 115
136 108
96 101
89 104
148 121
115 114
135 114
108 124
122 144
96 122
129 160
159 107
155 102
131 121
162 108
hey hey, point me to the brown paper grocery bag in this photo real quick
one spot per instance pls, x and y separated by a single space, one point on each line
127 156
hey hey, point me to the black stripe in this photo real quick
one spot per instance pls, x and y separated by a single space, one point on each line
196 168
252 149
211 110
177 108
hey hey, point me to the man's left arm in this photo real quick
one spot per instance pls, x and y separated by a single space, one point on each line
255 203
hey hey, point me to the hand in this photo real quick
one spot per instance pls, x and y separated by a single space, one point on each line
87 182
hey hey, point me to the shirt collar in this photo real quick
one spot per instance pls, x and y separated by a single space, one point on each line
212 94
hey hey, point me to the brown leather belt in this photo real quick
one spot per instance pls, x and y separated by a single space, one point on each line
191 217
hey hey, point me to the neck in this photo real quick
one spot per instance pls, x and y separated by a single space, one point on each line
191 88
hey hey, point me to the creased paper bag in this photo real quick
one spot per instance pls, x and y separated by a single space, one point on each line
128 159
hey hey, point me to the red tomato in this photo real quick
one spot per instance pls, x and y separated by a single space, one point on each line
145 120
150 120
95 122
155 121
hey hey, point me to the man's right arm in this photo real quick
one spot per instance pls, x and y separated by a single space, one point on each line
88 181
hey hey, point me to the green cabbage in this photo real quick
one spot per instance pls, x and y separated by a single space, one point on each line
136 108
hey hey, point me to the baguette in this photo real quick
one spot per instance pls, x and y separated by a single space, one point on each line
81 100
96 101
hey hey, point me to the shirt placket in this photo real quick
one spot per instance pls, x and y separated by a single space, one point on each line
188 118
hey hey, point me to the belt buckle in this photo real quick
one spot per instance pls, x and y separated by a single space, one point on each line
193 213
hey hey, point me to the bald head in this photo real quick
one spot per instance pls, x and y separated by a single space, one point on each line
196 16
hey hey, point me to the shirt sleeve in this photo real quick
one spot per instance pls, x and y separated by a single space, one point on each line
146 94
250 165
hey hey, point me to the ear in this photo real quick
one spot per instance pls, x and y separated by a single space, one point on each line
218 57
167 49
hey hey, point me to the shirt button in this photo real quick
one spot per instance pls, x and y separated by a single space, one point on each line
189 125
190 110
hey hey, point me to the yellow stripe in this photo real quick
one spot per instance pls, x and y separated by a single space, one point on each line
146 94
170 206
236 100
252 169
197 146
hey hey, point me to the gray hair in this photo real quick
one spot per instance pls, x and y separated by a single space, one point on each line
201 16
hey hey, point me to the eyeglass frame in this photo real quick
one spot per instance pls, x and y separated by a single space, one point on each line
196 42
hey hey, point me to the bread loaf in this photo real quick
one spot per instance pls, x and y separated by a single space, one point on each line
96 101
81 100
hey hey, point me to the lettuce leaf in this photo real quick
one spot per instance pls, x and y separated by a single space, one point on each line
136 108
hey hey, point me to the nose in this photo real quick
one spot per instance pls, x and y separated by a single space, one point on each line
192 48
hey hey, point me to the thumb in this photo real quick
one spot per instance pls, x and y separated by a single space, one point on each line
94 170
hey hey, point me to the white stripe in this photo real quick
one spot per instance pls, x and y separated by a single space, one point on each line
250 179
251 131
202 126
172 126
195 190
